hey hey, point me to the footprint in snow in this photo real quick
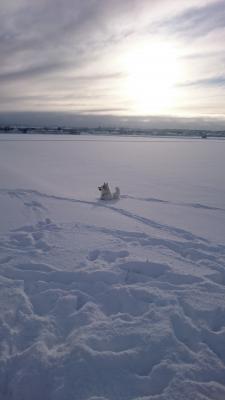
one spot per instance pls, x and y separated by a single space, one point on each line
108 256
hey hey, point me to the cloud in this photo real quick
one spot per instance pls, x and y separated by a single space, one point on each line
218 81
64 54
30 72
108 120
197 21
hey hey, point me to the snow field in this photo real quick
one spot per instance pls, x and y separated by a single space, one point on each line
114 300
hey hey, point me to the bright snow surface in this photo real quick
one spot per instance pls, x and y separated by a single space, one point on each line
112 299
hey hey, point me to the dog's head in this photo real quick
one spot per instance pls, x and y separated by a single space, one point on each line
104 187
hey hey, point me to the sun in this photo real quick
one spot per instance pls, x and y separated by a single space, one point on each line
151 75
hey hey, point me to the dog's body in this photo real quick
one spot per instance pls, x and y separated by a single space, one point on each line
106 193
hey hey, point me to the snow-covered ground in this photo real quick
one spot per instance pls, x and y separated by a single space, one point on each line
112 300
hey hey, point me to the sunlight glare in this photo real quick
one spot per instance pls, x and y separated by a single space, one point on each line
152 72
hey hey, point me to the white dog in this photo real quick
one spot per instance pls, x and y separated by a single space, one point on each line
106 193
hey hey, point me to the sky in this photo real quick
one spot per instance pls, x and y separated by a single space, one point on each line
149 62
